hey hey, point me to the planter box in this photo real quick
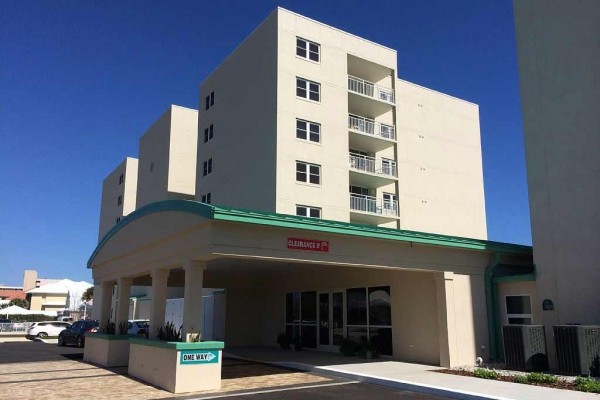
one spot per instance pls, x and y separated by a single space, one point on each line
106 350
175 366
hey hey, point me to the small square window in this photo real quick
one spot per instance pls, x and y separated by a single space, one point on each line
207 167
310 173
308 89
306 130
206 198
307 49
308 211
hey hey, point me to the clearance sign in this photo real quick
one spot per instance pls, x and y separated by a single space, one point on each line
308 245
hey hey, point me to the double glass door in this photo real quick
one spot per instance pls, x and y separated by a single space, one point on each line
331 320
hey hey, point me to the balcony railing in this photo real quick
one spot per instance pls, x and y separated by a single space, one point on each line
370 89
373 205
370 127
372 165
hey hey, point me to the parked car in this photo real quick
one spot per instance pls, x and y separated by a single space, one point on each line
76 333
43 329
138 327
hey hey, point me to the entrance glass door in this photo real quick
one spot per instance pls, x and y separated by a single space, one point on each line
331 320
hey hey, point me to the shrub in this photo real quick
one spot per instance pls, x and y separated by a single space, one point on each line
520 379
538 377
486 373
169 333
110 328
283 340
595 367
587 385
349 347
123 328
368 349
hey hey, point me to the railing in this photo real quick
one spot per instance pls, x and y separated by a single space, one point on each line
373 205
370 127
14 327
370 89
372 165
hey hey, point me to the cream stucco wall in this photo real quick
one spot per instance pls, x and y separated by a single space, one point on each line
440 163
167 160
110 209
559 71
243 117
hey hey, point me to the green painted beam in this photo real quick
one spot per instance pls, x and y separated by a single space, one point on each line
221 213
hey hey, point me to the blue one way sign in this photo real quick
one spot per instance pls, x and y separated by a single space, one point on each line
199 357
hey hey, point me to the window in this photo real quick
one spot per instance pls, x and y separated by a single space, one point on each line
120 179
369 316
518 310
208 133
307 211
307 49
308 89
206 198
118 219
301 317
390 203
151 166
120 200
306 130
208 166
207 103
212 99
310 173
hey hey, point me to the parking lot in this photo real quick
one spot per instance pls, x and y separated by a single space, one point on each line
35 370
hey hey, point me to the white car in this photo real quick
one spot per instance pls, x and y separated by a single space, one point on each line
44 329
137 327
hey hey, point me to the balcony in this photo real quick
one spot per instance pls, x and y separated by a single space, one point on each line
371 210
370 171
370 89
368 126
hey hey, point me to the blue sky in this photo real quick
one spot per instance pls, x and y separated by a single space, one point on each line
80 81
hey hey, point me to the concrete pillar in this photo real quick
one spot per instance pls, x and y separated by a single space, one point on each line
444 283
192 301
102 302
158 300
123 292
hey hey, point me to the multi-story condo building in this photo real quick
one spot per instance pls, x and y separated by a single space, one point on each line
166 168
119 191
559 74
327 197
324 128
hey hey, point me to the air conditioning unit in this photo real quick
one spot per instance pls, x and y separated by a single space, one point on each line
525 347
576 348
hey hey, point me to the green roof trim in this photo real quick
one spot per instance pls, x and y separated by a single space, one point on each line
210 345
223 213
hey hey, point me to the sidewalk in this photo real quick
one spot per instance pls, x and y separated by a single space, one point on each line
406 376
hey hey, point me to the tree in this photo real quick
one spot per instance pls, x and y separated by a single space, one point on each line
88 294
19 303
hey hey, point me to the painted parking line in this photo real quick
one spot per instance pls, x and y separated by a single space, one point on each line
237 394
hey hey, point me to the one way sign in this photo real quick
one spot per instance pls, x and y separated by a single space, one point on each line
199 357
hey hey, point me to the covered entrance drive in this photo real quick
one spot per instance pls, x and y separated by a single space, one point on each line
419 297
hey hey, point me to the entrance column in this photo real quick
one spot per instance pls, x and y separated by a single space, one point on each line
192 298
123 292
102 301
444 283
158 301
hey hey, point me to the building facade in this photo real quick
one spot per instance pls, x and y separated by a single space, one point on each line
559 72
331 200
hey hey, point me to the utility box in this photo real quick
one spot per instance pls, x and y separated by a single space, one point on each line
576 348
525 347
